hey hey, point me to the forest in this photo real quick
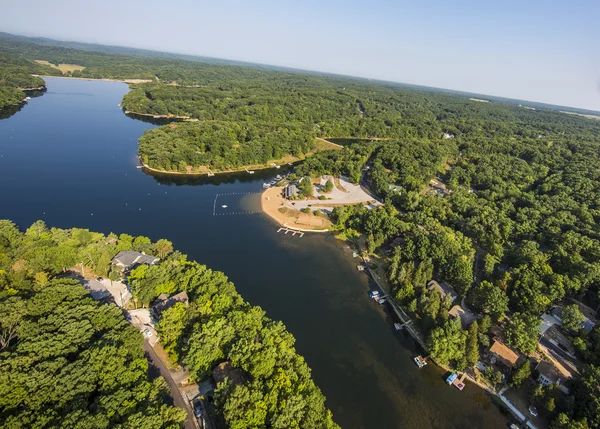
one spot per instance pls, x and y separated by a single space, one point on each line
16 75
65 358
218 146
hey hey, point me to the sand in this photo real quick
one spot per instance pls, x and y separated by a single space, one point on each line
271 201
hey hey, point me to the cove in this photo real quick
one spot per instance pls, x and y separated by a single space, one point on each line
69 158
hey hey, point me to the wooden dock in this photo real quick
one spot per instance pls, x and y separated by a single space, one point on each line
293 231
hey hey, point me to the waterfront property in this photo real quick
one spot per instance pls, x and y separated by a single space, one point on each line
127 260
443 289
503 355
290 191
164 302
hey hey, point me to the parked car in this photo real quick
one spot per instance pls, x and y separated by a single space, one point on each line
533 411
197 409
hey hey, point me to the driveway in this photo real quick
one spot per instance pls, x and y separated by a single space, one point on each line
178 400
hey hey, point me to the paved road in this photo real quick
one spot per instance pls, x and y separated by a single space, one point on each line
178 400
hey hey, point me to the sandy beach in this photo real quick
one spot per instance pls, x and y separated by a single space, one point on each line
272 201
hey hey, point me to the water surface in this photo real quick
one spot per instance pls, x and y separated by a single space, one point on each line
69 158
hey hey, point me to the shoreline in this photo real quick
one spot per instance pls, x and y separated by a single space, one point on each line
150 115
207 174
270 203
128 81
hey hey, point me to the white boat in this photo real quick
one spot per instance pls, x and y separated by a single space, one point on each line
251 171
266 185
224 206
398 326
420 361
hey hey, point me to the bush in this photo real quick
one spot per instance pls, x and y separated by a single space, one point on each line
305 210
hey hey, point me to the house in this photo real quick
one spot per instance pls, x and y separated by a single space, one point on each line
465 316
162 303
290 191
129 259
548 373
395 188
225 371
503 354
443 288
438 188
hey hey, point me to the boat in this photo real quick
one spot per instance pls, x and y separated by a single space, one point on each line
360 268
224 206
374 293
250 171
266 185
27 98
382 300
420 361
398 326
278 177
278 166
451 378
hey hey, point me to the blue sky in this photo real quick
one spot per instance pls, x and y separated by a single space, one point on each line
546 51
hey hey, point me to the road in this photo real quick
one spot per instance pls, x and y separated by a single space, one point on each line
178 400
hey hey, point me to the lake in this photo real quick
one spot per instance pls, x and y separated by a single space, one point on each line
69 158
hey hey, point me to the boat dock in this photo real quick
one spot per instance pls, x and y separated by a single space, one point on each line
293 231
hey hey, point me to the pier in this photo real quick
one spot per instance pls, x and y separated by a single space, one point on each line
293 231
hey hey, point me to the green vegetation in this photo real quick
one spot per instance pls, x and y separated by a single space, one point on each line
222 145
64 358
16 75
219 325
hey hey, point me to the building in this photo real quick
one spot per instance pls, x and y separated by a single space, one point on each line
448 136
438 188
443 288
129 259
547 373
457 312
503 354
164 302
290 191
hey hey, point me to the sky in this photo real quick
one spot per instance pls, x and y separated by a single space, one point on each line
537 50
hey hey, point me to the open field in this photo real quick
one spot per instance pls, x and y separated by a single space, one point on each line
64 68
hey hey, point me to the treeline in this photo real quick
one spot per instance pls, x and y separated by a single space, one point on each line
219 325
222 145
16 75
64 358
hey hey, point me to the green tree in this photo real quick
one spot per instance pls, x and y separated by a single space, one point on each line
472 344
572 317
522 332
163 248
521 374
447 342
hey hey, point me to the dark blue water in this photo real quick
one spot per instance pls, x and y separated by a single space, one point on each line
69 158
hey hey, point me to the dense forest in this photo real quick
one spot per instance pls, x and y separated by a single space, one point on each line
220 146
16 75
515 230
65 358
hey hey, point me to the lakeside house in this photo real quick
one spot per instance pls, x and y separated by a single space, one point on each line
457 312
290 191
443 288
126 260
164 302
504 355
549 373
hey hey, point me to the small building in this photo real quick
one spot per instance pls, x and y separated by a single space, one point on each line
163 304
129 259
448 136
290 191
438 188
547 373
503 354
443 288
457 312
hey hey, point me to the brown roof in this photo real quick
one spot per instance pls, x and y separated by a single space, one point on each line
549 371
504 353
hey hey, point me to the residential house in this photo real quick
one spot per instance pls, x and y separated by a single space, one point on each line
161 303
438 188
465 316
504 355
443 288
548 374
126 260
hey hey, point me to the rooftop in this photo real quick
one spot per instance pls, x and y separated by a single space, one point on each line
505 353
129 258
164 304
549 371
443 288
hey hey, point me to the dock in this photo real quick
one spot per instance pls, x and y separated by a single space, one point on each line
293 231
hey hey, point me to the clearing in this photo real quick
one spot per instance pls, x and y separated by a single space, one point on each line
64 68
